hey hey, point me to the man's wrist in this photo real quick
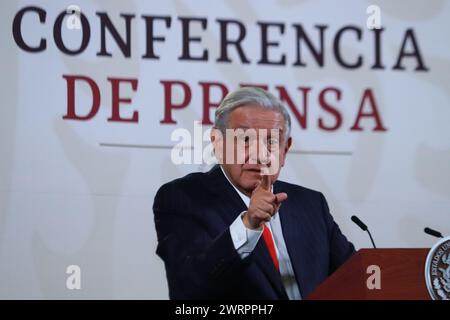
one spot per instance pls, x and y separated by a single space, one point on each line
247 223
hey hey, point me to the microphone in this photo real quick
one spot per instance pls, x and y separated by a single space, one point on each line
433 233
363 227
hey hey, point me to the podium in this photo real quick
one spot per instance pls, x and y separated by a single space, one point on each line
402 274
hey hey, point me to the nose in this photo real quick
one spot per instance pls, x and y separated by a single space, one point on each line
259 153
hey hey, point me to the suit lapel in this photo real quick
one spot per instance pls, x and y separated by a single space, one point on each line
264 261
226 197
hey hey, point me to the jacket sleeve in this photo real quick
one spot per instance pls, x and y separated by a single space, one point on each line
198 266
340 248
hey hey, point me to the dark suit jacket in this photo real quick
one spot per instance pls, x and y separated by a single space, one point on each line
192 219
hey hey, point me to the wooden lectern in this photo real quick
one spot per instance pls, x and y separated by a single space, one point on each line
402 276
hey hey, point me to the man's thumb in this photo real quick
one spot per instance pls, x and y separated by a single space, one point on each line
280 197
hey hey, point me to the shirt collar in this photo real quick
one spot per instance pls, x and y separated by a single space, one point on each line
243 196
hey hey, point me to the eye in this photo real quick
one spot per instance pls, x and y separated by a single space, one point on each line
244 138
272 141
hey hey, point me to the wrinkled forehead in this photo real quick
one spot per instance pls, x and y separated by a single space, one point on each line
255 132
256 117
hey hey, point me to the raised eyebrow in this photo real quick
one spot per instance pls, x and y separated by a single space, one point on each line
269 132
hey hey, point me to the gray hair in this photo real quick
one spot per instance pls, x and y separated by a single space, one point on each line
250 96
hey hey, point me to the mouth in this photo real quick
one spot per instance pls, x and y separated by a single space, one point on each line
252 169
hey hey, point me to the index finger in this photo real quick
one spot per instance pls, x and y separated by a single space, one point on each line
266 182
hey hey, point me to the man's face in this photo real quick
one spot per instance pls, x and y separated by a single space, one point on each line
246 172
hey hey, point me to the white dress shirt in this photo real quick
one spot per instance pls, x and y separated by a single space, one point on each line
245 240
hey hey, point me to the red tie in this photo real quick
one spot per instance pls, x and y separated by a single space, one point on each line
267 235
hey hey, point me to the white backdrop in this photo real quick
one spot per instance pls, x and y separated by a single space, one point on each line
67 199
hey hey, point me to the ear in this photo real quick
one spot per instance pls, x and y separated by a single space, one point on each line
286 149
216 138
288 145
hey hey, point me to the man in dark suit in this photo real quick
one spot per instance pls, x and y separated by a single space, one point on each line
235 231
